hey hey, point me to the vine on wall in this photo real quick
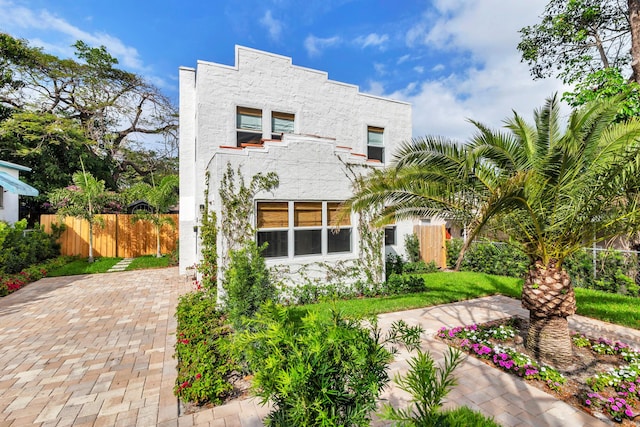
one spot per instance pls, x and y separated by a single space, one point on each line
236 214
208 266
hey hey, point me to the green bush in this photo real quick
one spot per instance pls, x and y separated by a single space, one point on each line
394 264
247 284
21 249
12 282
412 247
428 386
204 362
319 372
397 284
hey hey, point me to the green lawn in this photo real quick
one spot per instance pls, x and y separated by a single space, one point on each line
102 265
81 266
445 288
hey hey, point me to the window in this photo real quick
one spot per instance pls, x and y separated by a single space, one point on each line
375 143
294 229
390 235
281 123
273 228
248 125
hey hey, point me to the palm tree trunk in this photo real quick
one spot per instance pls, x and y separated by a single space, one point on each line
158 251
548 295
90 260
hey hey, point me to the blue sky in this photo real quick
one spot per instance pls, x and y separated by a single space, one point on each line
452 59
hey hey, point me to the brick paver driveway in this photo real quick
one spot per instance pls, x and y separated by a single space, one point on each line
90 350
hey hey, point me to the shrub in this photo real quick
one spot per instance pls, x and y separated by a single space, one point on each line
21 249
402 284
421 267
428 386
412 247
12 282
319 372
246 284
394 264
204 363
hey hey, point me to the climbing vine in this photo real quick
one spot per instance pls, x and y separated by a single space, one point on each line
236 227
208 267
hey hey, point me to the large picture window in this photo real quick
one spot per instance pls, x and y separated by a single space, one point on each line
375 143
304 228
248 126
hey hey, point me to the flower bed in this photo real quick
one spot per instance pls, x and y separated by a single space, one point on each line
611 389
10 283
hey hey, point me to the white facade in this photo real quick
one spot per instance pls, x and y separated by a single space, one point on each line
332 124
10 189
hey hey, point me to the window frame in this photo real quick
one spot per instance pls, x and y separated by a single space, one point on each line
277 135
323 226
242 132
375 145
390 230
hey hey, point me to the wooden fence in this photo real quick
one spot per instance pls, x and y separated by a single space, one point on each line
432 243
119 237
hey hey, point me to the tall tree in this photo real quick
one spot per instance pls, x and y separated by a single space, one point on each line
112 106
550 191
85 199
578 37
160 198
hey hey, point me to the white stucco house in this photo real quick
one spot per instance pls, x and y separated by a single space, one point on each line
264 114
10 190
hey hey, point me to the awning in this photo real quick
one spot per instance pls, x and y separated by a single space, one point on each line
16 186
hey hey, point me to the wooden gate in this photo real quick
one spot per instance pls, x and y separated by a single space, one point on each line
432 243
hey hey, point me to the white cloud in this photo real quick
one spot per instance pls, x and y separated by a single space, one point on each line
471 32
418 69
380 68
314 45
272 25
373 39
403 59
15 16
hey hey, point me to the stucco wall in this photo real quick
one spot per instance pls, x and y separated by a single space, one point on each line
335 111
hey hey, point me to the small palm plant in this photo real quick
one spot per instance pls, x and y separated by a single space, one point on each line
160 197
85 199
428 385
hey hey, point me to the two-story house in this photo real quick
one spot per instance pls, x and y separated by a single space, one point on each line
264 114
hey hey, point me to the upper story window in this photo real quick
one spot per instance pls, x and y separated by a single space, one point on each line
281 123
375 143
248 125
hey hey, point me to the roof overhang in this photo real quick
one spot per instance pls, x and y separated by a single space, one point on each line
14 185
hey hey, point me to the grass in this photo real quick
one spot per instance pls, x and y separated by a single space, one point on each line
81 266
149 261
443 288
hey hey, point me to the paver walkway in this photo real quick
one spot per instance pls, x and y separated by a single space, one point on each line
97 350
90 350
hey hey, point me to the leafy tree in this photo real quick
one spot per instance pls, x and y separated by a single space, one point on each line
53 147
112 107
160 198
550 191
86 199
578 37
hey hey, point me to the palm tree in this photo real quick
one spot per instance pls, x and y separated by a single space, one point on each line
550 191
85 199
160 197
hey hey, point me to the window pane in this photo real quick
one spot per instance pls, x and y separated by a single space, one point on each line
334 213
375 136
282 122
273 215
249 118
308 214
390 236
249 138
278 243
308 242
375 153
339 240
